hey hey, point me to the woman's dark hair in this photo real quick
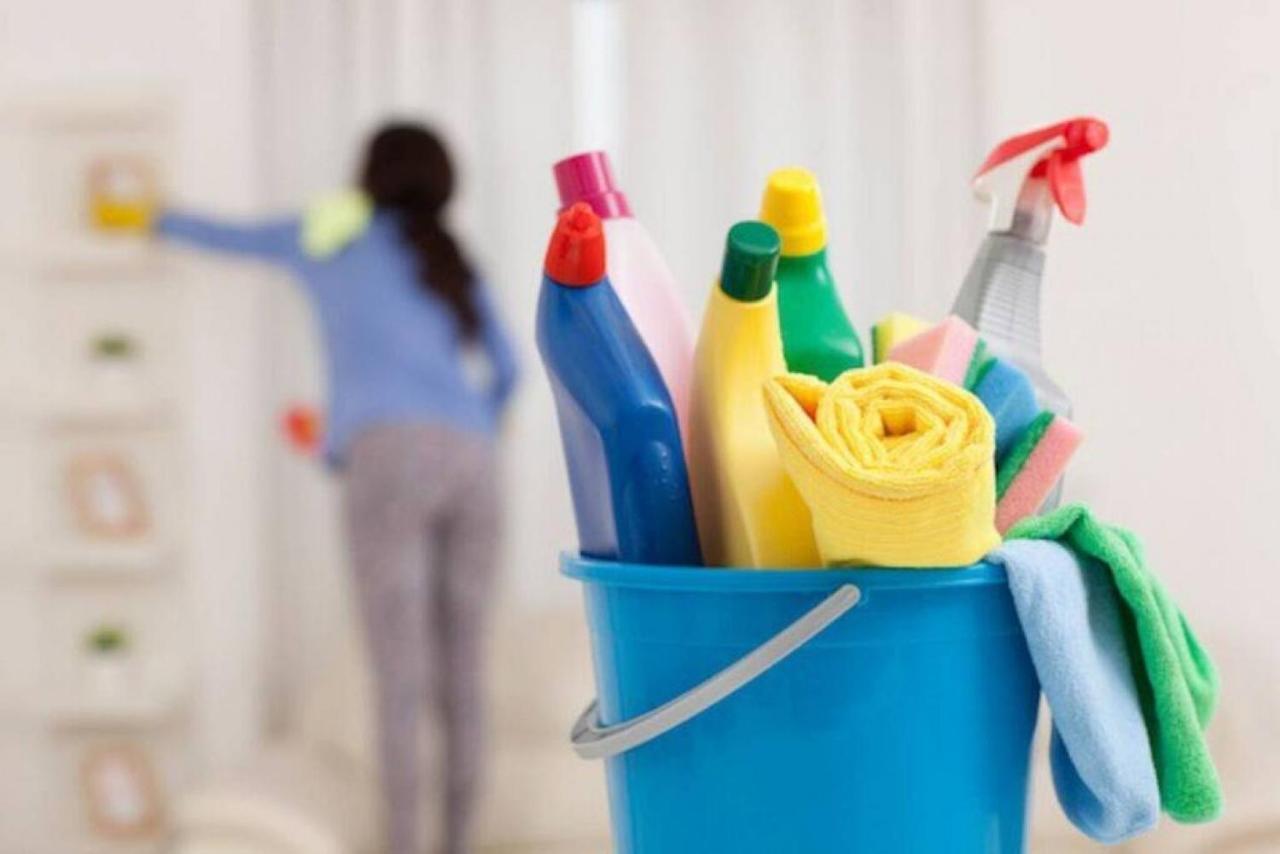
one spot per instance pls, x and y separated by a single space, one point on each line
407 170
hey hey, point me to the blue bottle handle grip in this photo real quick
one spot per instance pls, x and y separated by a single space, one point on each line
591 740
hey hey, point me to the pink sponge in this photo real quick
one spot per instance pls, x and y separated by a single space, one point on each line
1033 465
944 350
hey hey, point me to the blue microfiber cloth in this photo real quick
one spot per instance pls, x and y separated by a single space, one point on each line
1100 753
1007 394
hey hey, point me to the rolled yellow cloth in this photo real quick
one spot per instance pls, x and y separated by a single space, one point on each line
897 467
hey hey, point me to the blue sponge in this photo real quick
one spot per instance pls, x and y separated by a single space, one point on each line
1007 394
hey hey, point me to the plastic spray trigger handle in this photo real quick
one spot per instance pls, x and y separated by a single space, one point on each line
1055 152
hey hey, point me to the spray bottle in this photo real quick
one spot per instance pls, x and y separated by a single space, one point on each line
1000 296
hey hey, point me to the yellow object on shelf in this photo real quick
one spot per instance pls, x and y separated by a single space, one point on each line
122 194
897 467
120 216
749 513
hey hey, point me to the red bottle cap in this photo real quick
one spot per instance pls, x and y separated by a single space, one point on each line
1060 166
587 177
575 255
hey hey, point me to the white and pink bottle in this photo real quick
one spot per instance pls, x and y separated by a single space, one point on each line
637 271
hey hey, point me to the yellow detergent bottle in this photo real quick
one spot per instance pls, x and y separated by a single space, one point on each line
748 512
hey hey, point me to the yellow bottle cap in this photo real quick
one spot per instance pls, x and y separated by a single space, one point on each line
792 204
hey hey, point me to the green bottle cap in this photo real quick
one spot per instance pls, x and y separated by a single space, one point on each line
750 261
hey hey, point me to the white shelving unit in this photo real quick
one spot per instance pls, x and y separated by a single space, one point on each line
92 524
72 562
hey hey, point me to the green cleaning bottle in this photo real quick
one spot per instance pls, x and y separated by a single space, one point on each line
817 337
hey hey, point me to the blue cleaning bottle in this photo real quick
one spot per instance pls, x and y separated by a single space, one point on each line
621 437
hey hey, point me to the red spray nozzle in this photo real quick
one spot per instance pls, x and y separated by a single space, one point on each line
1059 165
575 254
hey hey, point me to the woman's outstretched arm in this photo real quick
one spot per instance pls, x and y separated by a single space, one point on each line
275 241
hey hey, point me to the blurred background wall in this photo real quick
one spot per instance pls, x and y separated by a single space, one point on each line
1162 320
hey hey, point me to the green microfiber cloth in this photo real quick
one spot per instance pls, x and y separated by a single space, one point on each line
1177 683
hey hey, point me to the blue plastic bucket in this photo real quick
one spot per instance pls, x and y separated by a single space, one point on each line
765 712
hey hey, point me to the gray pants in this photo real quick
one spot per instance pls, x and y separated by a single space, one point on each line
422 518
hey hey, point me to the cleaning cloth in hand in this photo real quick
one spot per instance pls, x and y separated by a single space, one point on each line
332 222
1177 683
1100 753
896 466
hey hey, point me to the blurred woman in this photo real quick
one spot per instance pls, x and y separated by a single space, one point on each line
412 435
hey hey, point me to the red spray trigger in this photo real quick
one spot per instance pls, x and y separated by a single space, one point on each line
1061 165
1066 181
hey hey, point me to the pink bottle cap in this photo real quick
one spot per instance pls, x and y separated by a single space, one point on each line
586 177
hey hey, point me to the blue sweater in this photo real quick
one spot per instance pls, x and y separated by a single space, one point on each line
394 352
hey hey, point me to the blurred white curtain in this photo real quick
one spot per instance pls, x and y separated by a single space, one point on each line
878 98
699 101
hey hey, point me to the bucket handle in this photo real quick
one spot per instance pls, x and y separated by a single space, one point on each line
591 740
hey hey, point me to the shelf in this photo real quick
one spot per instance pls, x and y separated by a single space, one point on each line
67 284
107 412
67 411
107 561
133 713
81 258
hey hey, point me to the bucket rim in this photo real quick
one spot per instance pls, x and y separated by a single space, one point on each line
726 579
